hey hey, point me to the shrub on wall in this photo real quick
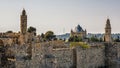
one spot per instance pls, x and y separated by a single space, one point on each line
49 35
82 44
31 29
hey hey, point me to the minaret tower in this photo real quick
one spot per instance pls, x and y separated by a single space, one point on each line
108 37
23 22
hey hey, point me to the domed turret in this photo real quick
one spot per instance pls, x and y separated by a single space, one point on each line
78 28
23 12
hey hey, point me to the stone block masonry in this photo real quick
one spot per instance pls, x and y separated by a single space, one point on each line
45 56
93 57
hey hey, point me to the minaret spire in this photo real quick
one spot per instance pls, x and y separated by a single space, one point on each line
23 12
23 21
108 21
108 31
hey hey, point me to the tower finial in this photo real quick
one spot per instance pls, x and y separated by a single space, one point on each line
23 12
108 21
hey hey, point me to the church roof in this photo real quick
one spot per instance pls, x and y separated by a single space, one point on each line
78 28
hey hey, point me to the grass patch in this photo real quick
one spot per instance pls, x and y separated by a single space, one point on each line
82 44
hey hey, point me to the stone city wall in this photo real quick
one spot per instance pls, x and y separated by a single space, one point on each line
45 56
60 58
92 57
64 57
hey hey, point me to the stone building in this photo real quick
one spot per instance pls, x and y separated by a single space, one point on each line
107 36
79 32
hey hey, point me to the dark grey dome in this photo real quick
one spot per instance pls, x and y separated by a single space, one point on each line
78 29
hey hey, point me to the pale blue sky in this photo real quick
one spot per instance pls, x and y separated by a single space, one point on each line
60 15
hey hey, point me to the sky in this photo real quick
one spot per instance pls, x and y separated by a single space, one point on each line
60 16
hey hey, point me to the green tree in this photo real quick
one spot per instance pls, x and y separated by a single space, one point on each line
49 35
75 39
117 39
42 35
101 40
9 31
31 29
70 39
94 39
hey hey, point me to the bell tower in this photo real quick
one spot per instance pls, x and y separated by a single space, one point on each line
23 22
108 37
